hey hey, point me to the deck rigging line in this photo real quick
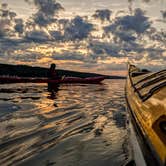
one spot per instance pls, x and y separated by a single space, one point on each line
151 82
162 72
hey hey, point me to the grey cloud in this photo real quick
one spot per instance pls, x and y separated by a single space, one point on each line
159 36
5 28
27 57
36 36
8 23
120 12
103 15
42 20
77 28
62 23
68 56
19 27
137 22
146 1
47 9
163 12
155 54
5 21
126 36
107 49
103 50
76 56
56 35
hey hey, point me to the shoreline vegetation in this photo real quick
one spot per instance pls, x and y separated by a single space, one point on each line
29 71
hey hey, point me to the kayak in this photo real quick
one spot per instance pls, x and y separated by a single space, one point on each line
146 103
88 80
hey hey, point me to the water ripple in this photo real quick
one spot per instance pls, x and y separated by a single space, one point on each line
78 125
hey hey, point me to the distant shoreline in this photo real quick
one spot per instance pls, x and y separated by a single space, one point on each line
29 71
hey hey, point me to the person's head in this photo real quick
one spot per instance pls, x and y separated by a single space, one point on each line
53 66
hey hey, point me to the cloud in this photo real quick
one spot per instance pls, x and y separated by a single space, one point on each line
128 28
27 57
131 38
19 26
5 20
126 36
69 56
163 12
9 24
159 36
62 23
42 20
47 10
154 53
4 28
146 1
137 23
103 49
77 28
37 36
103 15
48 7
56 35
68 30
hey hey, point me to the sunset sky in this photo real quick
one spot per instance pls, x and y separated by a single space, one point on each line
90 35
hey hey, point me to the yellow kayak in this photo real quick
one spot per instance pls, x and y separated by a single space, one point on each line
146 102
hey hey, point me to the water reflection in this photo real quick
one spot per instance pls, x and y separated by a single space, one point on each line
53 89
68 125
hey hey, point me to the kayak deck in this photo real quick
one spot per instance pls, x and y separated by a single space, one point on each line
148 83
146 100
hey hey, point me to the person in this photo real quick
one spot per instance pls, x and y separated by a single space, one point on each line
52 74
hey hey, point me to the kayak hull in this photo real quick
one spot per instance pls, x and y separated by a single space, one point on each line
145 99
88 80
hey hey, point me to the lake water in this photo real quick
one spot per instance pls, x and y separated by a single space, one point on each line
79 125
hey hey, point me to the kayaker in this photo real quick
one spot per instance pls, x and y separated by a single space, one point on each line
52 74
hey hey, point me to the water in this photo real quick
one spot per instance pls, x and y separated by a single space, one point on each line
79 125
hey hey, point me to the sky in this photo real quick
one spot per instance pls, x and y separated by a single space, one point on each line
90 35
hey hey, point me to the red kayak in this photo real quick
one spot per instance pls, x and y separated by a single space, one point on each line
88 80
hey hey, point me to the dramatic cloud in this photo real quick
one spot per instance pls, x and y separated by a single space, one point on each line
47 10
137 22
106 39
103 15
128 28
77 28
48 7
42 20
69 30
